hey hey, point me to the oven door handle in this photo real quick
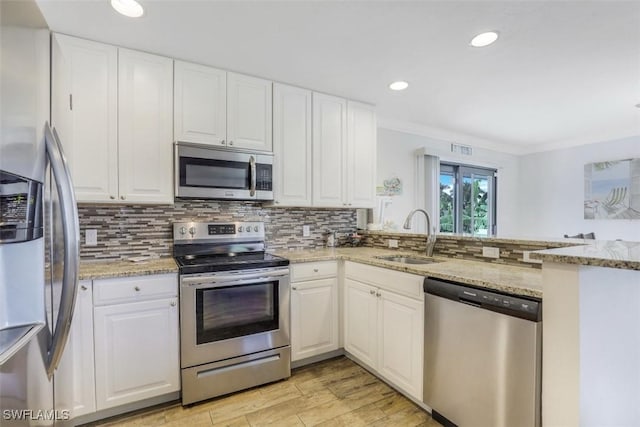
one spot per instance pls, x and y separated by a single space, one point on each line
229 280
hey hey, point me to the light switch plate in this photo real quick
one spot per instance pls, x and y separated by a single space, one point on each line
91 237
490 252
393 243
306 231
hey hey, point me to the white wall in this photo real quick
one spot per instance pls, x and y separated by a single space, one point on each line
396 158
552 192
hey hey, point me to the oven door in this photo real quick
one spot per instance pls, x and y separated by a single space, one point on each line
229 314
209 173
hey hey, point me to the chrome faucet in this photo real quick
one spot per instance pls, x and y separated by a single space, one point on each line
431 237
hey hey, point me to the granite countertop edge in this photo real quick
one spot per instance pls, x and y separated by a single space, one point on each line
105 269
519 281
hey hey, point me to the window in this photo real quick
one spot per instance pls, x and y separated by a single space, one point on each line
467 199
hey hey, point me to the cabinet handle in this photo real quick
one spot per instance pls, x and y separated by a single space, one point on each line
372 292
378 294
121 197
112 197
173 304
276 202
137 288
71 101
83 287
222 142
315 270
230 142
294 288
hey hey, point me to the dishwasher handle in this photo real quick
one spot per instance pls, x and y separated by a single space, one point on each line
523 308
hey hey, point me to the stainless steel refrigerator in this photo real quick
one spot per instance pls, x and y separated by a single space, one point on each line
39 232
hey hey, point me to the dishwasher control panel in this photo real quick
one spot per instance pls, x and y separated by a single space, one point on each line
524 308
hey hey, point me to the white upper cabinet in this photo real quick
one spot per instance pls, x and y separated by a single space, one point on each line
200 104
361 154
344 152
329 150
85 113
145 131
249 112
291 145
221 108
113 110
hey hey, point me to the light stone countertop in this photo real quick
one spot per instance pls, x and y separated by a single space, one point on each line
104 269
505 278
599 253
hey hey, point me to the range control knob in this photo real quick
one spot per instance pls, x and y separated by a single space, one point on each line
183 230
240 229
255 228
192 231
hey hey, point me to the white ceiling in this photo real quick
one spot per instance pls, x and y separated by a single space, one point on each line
562 73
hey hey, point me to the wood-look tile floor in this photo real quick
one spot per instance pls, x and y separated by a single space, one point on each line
336 392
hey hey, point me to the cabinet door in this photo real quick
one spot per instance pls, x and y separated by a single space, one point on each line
291 145
360 321
329 150
249 112
137 352
400 355
361 155
74 384
314 318
200 104
84 113
145 142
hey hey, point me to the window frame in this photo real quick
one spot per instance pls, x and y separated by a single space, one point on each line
458 171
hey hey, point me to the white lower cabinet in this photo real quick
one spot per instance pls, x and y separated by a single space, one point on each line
383 323
314 309
136 339
74 379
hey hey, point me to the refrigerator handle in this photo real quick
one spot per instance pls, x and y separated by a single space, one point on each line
71 233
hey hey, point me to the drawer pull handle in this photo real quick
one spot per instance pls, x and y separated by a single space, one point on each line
372 292
294 288
173 303
83 287
378 294
137 288
315 270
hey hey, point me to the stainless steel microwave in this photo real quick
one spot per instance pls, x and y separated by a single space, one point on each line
203 172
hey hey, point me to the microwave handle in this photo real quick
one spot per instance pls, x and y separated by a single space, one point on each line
252 166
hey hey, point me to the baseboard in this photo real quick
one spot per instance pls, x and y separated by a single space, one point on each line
318 358
131 407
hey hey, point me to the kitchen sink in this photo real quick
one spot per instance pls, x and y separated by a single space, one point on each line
407 259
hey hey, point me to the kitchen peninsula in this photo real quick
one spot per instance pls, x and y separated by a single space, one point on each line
591 339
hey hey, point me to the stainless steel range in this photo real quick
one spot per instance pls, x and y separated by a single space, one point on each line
234 309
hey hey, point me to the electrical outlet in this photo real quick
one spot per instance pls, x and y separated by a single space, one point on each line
393 243
489 252
91 237
306 231
526 258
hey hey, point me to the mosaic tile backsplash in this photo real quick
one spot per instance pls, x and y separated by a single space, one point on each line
146 230
511 252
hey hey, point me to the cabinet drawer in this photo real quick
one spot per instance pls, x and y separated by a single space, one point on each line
131 289
396 281
313 270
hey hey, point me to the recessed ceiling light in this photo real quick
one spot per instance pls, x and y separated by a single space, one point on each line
484 39
130 8
399 85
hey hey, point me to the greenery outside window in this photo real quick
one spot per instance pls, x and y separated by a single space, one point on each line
467 199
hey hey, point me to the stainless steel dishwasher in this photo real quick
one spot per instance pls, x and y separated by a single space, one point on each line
482 356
